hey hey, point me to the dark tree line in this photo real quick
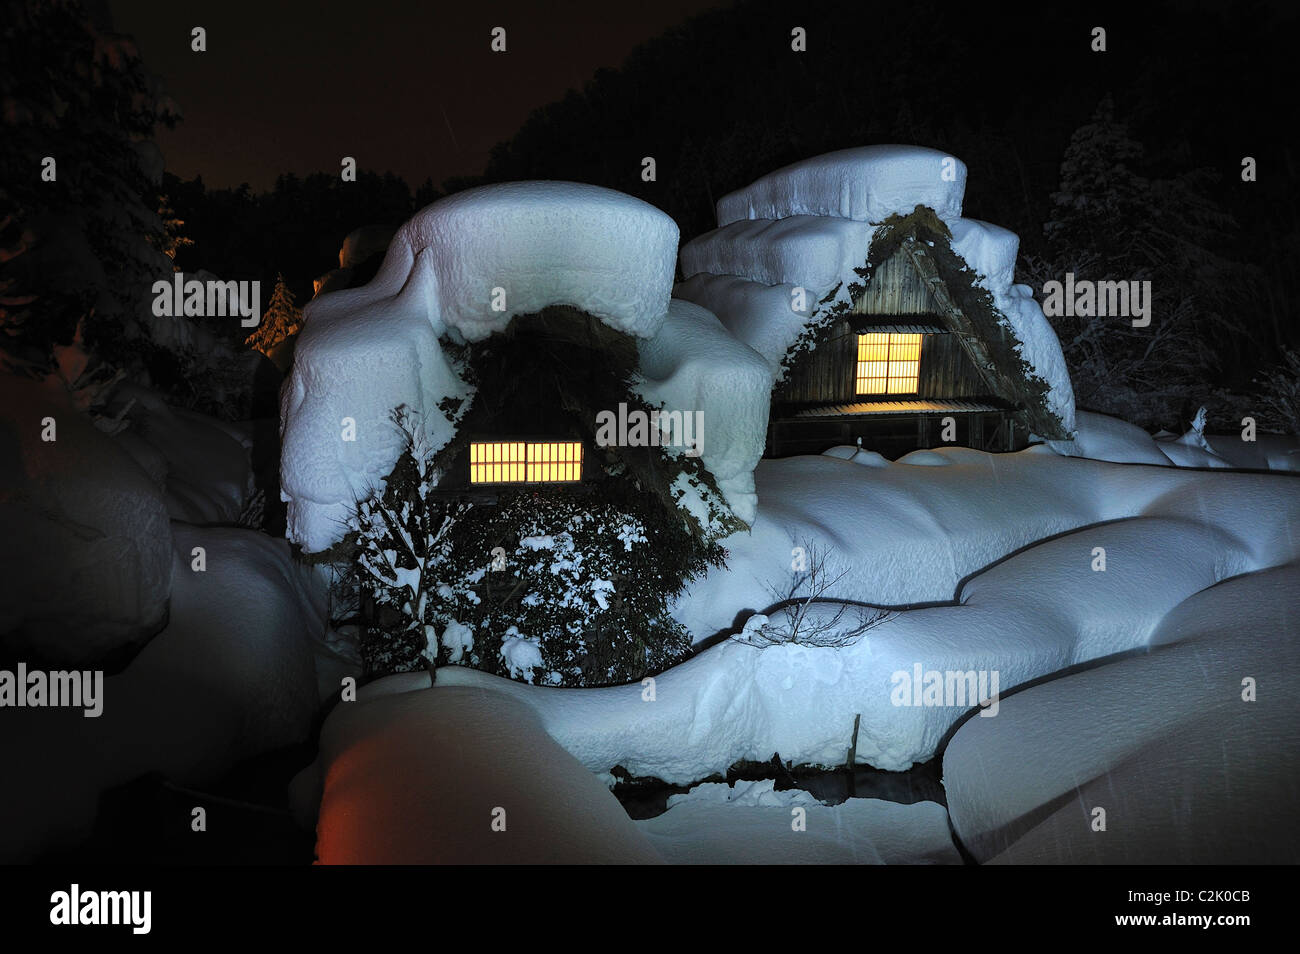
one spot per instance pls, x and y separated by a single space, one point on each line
718 101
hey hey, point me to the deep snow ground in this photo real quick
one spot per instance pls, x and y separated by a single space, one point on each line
1004 553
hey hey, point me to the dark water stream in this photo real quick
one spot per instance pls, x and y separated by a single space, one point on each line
648 797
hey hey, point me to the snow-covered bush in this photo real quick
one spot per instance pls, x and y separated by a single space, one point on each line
402 536
557 585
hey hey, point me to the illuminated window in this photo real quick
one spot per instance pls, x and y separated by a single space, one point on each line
888 363
520 462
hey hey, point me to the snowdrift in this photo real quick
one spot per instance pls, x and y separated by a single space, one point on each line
86 568
1167 534
230 677
1134 736
750 824
461 777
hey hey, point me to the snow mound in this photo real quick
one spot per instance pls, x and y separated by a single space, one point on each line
396 787
751 824
1043 609
694 365
866 184
866 458
1100 437
1131 735
364 351
86 568
229 678
925 458
840 452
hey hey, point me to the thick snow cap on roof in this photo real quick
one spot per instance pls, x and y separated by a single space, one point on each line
750 274
520 247
866 184
541 243
694 365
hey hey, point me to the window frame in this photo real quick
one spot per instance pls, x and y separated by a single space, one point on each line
524 461
888 361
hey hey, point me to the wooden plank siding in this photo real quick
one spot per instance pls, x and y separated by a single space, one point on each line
828 375
896 291
946 371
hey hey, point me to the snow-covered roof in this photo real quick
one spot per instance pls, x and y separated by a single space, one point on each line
459 271
866 184
540 244
811 227
694 364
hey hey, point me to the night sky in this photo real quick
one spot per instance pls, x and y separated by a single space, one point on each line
412 88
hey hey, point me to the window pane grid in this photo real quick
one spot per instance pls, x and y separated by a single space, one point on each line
518 462
888 363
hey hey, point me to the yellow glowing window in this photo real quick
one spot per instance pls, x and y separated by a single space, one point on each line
519 462
888 363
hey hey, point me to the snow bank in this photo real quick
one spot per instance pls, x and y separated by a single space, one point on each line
1100 437
202 466
750 823
867 184
904 534
1266 452
86 567
364 351
229 678
691 365
460 776
1186 770
1036 612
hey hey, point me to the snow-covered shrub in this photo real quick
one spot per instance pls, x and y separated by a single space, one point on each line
402 537
556 585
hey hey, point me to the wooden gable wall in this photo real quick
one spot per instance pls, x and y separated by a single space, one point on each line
827 375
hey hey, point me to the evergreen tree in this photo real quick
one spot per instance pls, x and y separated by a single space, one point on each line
281 320
1112 221
1103 203
81 239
